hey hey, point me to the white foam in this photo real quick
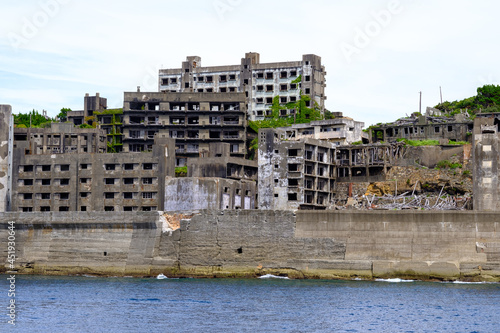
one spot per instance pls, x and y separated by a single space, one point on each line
465 282
270 276
394 280
161 276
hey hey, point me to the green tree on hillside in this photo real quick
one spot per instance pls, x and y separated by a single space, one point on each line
63 115
486 100
37 119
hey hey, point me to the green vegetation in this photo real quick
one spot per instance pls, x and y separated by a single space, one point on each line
63 115
417 143
466 173
303 114
447 164
37 119
85 126
357 143
458 143
487 100
181 171
114 136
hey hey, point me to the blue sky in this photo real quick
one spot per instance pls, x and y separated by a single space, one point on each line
378 54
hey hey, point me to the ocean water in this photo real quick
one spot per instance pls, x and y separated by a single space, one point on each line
90 304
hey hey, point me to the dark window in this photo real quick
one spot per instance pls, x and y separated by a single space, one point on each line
109 195
292 196
109 208
27 209
63 196
128 166
45 182
84 194
128 181
28 168
84 180
269 75
109 181
45 167
128 195
64 182
308 78
147 166
110 166
84 166
28 196
83 208
45 208
45 196
63 208
147 181
64 167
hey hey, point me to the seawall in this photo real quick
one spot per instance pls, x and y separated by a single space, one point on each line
445 245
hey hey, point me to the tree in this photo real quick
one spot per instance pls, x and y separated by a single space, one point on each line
63 115
33 119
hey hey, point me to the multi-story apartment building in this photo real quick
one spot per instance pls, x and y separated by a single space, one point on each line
194 120
295 174
91 182
341 130
261 82
61 138
456 128
90 104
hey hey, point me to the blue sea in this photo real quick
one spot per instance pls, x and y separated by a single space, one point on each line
91 304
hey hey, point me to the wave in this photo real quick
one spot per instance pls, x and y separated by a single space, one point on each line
270 276
161 276
397 280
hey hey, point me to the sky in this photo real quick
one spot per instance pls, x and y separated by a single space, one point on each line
379 54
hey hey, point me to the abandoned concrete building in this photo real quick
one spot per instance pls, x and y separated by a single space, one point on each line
90 104
89 181
79 177
61 138
340 131
192 119
486 159
260 82
303 173
428 127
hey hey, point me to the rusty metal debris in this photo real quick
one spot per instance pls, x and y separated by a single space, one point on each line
409 200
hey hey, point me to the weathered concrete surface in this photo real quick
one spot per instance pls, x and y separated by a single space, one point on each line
424 245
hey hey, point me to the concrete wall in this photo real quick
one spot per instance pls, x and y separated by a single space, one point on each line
425 245
5 115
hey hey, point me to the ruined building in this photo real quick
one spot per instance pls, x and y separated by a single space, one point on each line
428 127
89 181
486 159
194 120
303 173
90 104
260 82
60 138
340 131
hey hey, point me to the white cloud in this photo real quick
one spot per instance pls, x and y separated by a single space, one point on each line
111 47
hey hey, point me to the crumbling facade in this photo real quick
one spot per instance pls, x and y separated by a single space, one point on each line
90 104
194 120
340 131
6 144
303 173
60 138
486 159
295 174
443 129
91 182
260 82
